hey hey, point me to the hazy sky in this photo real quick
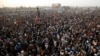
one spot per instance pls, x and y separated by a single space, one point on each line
34 3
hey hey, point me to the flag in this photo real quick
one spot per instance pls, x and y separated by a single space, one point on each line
37 20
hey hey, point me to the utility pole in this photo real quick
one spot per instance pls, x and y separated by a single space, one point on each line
38 12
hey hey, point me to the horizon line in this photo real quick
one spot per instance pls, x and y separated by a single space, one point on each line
42 6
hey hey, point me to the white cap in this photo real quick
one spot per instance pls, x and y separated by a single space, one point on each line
22 51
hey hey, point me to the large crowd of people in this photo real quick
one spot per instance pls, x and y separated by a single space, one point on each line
51 34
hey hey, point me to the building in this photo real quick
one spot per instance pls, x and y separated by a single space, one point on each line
57 8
